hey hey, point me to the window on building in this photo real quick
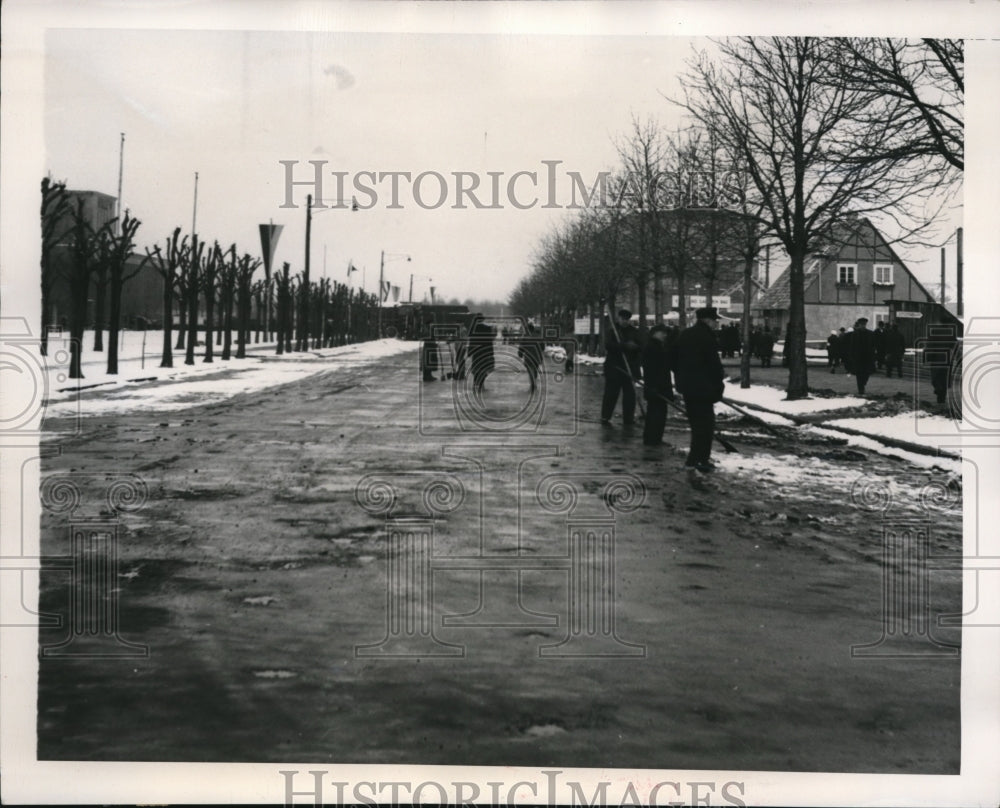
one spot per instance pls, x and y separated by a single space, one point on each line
881 317
847 274
883 274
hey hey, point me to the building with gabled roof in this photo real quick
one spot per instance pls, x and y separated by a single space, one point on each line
855 274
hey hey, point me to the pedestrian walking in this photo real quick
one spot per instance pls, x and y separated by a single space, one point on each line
844 350
878 339
429 356
832 351
530 351
765 346
895 347
480 351
862 353
657 388
699 376
940 354
621 369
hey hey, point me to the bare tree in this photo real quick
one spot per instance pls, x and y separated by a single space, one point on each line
81 269
113 250
56 215
917 87
209 283
192 266
168 267
773 104
245 268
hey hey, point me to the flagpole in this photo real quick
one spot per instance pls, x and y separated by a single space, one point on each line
381 270
121 160
194 212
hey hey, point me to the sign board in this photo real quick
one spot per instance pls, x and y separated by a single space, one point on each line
581 325
909 315
700 301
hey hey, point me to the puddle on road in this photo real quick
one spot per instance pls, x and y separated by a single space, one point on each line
275 674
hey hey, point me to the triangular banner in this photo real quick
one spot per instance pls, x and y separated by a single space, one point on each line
269 234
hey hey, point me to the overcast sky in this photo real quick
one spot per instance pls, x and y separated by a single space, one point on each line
231 105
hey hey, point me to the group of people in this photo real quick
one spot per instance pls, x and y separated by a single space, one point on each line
861 352
689 359
470 351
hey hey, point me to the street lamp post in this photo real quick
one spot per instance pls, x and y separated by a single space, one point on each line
381 281
302 337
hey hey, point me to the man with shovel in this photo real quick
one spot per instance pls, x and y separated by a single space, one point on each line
699 376
657 388
621 369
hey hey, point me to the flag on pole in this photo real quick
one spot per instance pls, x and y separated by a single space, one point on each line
385 291
432 294
395 294
350 269
269 234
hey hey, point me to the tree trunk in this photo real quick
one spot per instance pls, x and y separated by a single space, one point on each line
745 324
182 320
241 321
100 295
167 359
795 345
114 324
227 340
192 316
43 343
209 323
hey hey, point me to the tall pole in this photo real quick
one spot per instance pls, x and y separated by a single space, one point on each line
381 270
121 162
960 308
942 276
411 287
194 212
302 341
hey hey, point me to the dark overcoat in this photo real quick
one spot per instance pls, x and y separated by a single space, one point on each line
697 367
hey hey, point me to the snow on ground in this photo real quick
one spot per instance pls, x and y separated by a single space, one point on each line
813 478
952 465
915 427
152 387
774 399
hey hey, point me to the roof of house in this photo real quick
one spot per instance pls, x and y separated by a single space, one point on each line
779 294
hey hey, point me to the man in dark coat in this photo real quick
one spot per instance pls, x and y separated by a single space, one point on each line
765 345
480 351
429 355
861 349
699 376
878 338
941 352
895 347
833 351
657 388
844 350
530 351
621 368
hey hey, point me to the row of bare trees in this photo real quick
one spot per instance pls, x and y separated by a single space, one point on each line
817 132
93 263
